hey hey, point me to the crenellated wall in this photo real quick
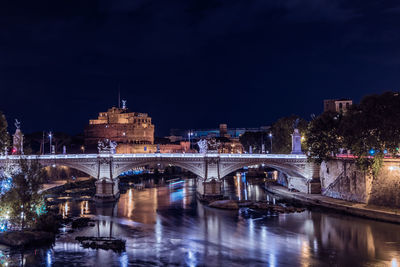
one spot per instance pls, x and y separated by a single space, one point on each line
342 179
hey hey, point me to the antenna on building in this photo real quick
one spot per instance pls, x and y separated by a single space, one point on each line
119 96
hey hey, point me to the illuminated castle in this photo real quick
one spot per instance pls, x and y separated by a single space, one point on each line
122 126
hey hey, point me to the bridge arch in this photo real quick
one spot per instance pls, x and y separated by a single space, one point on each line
294 174
194 168
85 169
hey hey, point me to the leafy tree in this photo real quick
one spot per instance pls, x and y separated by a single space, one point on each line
372 128
323 138
60 139
23 202
253 139
4 135
282 131
27 147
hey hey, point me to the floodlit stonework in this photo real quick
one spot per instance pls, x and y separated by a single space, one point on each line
343 180
122 126
210 168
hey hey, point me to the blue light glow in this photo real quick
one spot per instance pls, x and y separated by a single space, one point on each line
49 258
123 260
5 185
131 172
176 196
3 226
372 152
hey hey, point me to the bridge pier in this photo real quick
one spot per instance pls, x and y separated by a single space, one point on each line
107 190
209 189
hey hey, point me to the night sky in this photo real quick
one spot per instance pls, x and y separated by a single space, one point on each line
191 63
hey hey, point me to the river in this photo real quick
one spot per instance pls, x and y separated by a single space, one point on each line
166 225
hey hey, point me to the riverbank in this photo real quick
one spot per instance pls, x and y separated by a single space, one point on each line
357 209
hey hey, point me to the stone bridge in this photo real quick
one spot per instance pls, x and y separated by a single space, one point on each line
210 167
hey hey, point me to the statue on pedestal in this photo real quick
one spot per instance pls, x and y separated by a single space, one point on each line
18 140
106 146
203 146
296 138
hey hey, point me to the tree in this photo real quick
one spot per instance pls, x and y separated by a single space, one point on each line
282 131
23 202
61 139
253 139
372 128
323 139
4 135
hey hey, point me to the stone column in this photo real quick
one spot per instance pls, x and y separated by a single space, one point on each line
209 190
314 185
106 186
107 190
210 187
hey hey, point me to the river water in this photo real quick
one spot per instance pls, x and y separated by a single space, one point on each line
166 225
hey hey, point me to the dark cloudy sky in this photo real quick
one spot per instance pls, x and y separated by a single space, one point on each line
192 63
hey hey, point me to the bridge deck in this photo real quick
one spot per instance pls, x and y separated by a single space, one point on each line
157 155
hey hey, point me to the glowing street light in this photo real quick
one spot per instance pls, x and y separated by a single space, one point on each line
51 138
190 133
270 138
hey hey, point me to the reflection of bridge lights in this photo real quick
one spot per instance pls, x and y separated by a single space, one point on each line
48 258
315 244
272 260
123 260
158 230
192 261
176 196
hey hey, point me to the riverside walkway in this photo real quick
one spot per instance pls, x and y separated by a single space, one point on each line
358 209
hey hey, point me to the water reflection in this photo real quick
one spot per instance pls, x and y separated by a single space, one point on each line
244 188
166 225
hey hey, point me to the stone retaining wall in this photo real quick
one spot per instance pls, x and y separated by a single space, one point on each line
342 179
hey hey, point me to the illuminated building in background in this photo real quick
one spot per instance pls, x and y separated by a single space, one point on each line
337 105
222 131
133 131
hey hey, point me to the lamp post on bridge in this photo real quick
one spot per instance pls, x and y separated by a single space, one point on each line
190 133
270 138
51 138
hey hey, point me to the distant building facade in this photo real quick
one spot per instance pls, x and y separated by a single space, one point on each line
227 138
337 105
222 131
132 129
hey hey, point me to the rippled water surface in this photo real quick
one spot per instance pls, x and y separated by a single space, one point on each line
168 226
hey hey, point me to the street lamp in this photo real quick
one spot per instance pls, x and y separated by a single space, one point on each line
190 133
51 138
270 138
83 149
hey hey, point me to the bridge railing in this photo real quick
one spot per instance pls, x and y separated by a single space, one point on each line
156 155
